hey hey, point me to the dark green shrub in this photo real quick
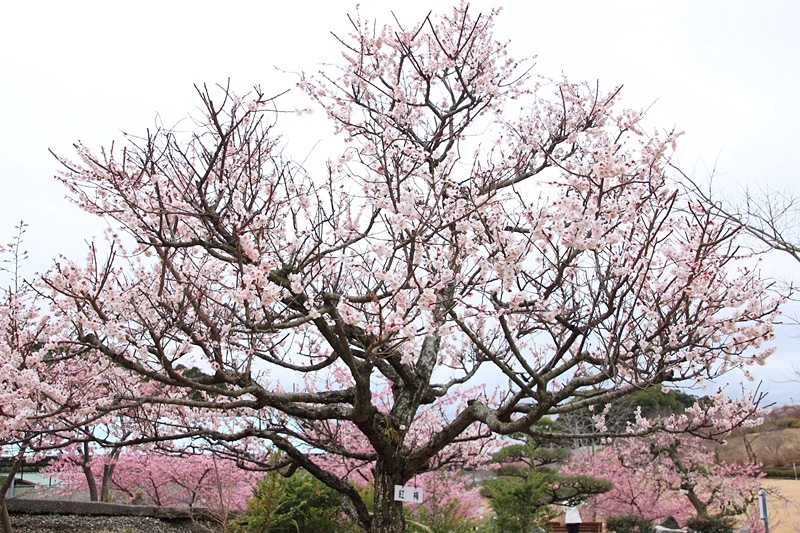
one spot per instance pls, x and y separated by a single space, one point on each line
300 503
519 504
785 473
783 422
629 523
712 524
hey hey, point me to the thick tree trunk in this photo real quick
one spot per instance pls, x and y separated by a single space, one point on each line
90 482
699 505
108 471
5 520
108 475
388 517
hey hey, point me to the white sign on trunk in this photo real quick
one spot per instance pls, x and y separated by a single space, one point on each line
407 494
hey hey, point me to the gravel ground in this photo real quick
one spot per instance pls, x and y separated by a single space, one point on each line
31 523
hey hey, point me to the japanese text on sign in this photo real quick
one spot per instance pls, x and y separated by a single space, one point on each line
403 493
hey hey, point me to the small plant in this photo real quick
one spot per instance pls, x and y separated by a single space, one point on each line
712 524
448 518
629 523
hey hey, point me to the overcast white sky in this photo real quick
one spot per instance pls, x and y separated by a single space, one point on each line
725 72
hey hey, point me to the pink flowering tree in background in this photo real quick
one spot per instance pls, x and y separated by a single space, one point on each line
94 450
669 474
633 493
150 477
483 224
